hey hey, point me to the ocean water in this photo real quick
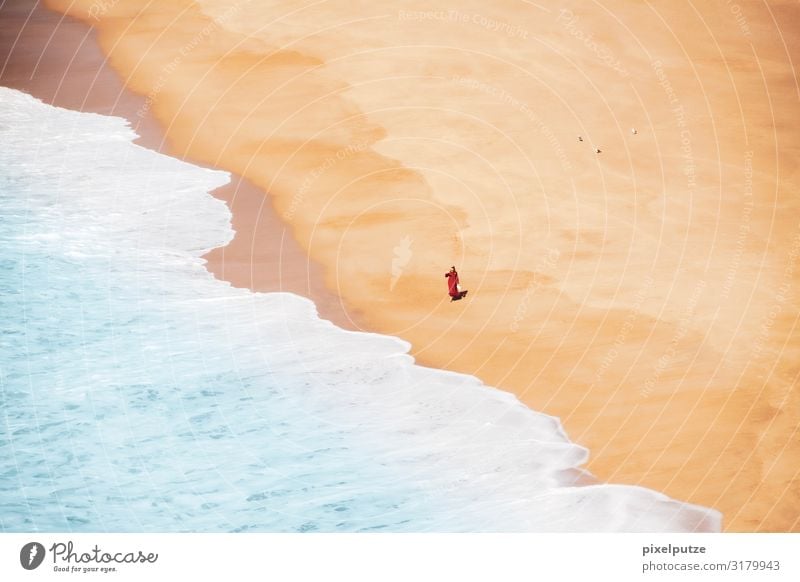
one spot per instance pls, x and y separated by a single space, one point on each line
139 394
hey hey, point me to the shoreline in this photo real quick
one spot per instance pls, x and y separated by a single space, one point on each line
198 406
57 59
682 373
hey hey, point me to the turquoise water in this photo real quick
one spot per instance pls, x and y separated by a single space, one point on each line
139 394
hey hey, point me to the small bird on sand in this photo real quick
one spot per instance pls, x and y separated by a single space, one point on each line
580 138
597 151
633 131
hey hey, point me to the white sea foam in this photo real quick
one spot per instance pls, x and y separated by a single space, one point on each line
141 394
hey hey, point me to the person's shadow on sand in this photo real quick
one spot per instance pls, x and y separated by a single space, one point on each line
459 296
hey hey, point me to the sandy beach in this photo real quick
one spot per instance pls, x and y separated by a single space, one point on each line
645 293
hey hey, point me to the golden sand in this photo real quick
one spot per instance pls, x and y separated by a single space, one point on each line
646 294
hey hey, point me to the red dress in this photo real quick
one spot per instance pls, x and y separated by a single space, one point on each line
452 283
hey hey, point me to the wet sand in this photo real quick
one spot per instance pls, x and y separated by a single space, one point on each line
646 294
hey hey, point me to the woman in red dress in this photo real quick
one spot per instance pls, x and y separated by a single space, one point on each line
452 285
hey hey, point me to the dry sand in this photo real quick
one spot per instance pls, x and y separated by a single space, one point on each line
647 295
